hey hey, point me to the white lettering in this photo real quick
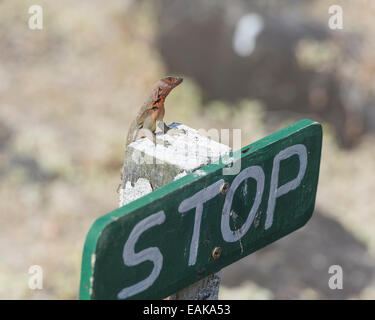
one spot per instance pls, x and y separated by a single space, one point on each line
275 191
153 254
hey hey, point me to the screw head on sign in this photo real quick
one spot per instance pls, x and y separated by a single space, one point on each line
216 253
224 188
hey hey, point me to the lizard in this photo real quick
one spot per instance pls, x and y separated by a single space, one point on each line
153 109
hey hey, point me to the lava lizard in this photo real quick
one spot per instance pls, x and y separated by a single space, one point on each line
152 110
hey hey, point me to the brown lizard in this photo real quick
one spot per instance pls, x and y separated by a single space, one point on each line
152 110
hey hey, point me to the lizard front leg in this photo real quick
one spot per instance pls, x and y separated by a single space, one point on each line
171 130
163 127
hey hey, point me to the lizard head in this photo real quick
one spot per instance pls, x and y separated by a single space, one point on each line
167 84
172 81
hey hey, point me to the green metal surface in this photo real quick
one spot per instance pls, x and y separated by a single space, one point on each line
106 271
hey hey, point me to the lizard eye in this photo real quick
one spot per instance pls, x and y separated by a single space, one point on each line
154 108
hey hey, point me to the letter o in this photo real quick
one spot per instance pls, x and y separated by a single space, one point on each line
257 173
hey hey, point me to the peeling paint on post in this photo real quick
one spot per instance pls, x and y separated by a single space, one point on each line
165 167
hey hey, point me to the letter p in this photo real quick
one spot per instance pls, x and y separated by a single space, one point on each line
275 191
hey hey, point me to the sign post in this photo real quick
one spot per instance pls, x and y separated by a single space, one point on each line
193 227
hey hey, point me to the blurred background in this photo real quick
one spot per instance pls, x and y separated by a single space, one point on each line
68 93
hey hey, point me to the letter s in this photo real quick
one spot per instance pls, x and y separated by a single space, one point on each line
152 254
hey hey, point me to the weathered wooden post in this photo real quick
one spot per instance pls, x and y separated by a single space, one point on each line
148 167
179 235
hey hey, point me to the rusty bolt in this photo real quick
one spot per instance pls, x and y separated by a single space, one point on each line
224 188
216 253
